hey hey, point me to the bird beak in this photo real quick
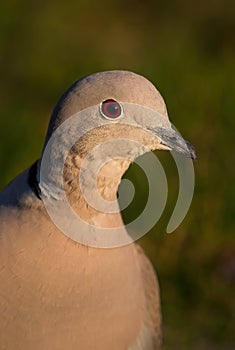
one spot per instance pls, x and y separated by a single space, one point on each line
171 138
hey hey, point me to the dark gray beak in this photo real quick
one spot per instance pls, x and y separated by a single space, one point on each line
171 138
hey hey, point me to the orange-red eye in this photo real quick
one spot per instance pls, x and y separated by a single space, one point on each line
111 109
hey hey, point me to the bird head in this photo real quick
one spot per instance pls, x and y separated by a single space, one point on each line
98 127
119 98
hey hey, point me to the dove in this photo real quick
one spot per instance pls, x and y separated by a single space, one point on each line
75 278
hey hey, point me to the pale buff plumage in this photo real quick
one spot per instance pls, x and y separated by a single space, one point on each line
56 293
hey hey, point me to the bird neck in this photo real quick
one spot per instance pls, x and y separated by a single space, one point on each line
90 190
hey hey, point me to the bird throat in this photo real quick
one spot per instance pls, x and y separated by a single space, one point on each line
93 194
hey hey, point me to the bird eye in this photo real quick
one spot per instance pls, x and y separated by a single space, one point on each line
111 109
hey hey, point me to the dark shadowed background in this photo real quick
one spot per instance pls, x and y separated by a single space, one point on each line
187 49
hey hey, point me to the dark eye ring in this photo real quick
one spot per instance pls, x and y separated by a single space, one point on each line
111 109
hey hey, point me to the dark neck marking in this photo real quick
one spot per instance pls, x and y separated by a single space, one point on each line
32 180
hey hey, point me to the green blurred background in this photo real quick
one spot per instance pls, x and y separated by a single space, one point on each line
187 49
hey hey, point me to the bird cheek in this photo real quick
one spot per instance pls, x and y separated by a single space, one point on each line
152 142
